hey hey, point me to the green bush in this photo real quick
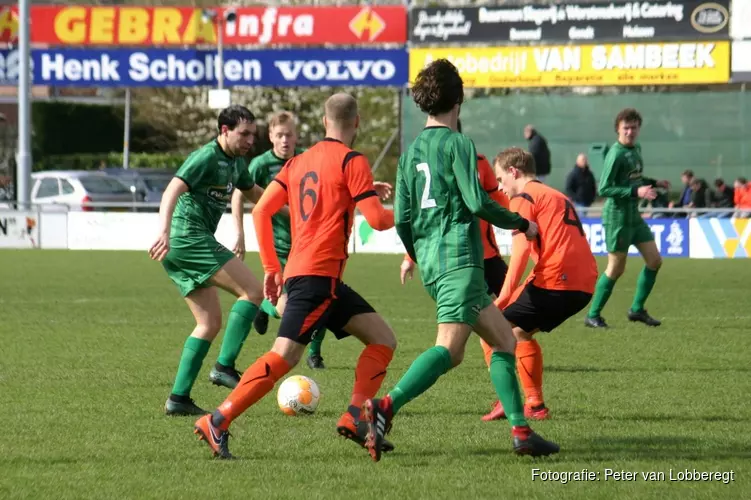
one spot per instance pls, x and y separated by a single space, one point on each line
92 161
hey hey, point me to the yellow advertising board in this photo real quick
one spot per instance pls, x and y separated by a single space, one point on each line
583 65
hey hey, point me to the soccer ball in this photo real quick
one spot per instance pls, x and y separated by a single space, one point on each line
298 395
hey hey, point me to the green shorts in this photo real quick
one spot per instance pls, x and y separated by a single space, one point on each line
191 262
460 295
618 238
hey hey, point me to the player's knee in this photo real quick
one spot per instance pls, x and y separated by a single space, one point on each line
254 296
654 262
388 338
288 349
615 271
209 327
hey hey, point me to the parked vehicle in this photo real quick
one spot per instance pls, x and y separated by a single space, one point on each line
150 183
76 189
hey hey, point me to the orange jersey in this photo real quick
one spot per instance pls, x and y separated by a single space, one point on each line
322 185
742 196
561 253
489 183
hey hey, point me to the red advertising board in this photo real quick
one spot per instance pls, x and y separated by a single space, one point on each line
165 26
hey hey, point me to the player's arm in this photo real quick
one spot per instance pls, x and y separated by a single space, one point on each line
190 173
273 199
256 174
464 165
403 212
608 187
521 248
359 181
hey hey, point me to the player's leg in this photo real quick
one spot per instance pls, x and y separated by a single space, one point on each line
534 310
422 374
494 329
495 274
261 321
314 357
618 238
204 304
352 315
235 277
308 306
459 296
647 277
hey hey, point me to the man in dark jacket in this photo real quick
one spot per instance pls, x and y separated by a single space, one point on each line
538 146
723 197
581 187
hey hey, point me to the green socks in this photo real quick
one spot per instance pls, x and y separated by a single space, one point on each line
194 351
503 376
644 285
603 290
269 309
314 348
238 325
420 376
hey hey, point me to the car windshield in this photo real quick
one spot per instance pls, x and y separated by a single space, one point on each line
103 185
157 182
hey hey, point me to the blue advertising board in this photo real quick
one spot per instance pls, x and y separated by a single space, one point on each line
671 236
188 68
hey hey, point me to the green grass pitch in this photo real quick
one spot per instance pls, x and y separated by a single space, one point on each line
89 343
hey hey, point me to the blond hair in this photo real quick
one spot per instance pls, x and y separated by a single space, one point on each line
518 158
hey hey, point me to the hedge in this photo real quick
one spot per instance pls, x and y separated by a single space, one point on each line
92 161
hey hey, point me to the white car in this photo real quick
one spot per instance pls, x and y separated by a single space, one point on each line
75 189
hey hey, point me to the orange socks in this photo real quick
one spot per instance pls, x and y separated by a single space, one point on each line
487 352
529 367
256 382
370 372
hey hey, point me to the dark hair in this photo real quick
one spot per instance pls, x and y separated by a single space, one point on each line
627 115
459 125
718 182
438 88
742 180
234 115
688 173
518 158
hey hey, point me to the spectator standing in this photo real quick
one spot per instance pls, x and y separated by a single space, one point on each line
538 146
581 186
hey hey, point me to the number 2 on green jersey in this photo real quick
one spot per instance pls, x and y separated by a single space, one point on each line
427 202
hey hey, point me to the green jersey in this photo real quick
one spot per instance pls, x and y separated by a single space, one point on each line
211 176
621 178
262 171
438 200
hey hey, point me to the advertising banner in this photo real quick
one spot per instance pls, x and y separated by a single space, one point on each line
185 67
600 21
671 236
740 65
740 19
19 229
719 238
171 26
585 65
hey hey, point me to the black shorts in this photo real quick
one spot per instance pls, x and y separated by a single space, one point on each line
540 309
314 302
495 274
